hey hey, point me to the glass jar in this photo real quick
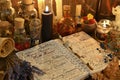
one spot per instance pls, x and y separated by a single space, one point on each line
28 12
7 12
35 31
66 25
22 41
6 29
103 28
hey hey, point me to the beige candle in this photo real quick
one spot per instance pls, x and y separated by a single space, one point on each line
27 1
78 10
59 9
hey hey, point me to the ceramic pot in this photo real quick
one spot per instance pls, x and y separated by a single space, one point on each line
89 28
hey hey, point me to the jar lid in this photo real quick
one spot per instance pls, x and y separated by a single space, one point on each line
19 23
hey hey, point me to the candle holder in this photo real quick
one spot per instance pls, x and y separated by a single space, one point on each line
103 28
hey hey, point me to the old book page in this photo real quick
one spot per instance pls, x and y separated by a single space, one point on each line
56 61
87 49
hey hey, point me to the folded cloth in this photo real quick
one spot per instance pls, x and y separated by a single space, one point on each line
6 46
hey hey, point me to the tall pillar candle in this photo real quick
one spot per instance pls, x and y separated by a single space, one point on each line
47 22
59 9
78 10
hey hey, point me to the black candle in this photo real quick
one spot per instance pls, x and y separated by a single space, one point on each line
47 21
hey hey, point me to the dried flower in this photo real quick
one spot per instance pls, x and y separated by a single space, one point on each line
89 19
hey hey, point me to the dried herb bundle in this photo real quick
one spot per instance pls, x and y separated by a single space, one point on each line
112 42
16 69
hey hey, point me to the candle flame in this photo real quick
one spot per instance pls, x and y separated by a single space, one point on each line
104 24
46 9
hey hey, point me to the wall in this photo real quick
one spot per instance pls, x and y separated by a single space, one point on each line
99 8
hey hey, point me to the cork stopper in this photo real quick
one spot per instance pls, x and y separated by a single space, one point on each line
4 25
30 7
19 23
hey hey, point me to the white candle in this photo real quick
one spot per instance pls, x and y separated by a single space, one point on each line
59 9
27 1
78 10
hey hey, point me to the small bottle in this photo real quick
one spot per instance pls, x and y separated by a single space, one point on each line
22 41
66 25
27 11
35 31
7 12
6 29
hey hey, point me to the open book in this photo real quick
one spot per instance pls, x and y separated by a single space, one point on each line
73 57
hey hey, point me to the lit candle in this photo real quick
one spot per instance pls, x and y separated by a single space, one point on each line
59 9
47 9
47 22
103 28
